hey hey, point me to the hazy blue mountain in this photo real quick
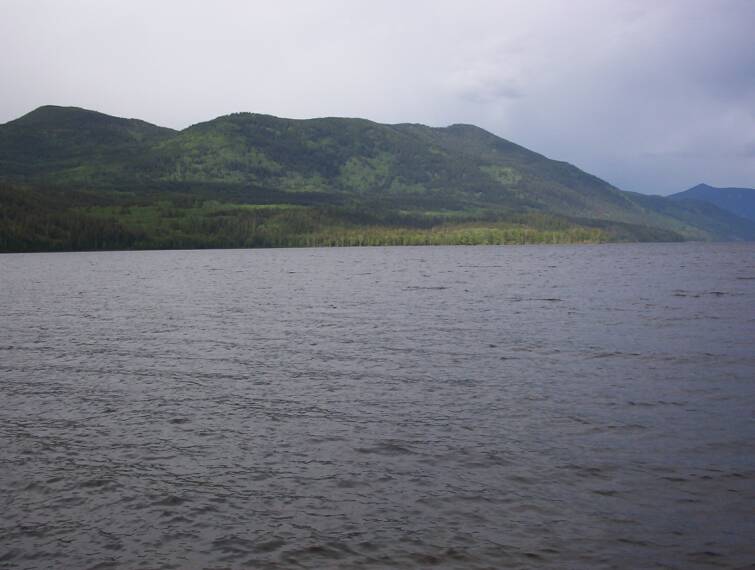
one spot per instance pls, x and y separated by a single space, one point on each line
738 201
720 224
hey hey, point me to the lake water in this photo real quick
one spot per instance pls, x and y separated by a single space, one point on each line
453 407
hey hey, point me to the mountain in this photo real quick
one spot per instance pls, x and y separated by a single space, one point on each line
72 178
738 201
718 224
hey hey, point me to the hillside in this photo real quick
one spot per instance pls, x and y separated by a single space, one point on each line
738 201
77 179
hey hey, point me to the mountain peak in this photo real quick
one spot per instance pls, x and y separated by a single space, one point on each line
703 186
464 126
738 201
54 114
57 117
467 129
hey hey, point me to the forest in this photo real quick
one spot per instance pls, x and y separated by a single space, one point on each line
33 219
74 179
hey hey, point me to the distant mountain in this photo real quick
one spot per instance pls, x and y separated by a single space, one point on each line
738 201
78 179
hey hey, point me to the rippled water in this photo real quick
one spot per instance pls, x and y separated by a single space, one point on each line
487 407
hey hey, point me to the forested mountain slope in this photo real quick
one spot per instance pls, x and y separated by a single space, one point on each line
78 179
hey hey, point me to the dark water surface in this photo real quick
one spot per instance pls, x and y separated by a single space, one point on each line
486 407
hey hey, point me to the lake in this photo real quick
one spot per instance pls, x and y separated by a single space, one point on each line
453 407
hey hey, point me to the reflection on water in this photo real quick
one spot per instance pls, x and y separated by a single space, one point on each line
522 407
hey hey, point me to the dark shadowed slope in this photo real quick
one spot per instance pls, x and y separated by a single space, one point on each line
63 145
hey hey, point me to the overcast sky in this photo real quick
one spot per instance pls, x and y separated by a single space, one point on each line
651 95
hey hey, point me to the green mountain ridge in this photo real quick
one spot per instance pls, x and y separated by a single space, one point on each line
257 180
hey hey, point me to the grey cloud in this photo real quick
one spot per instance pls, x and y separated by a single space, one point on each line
488 89
494 91
748 150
